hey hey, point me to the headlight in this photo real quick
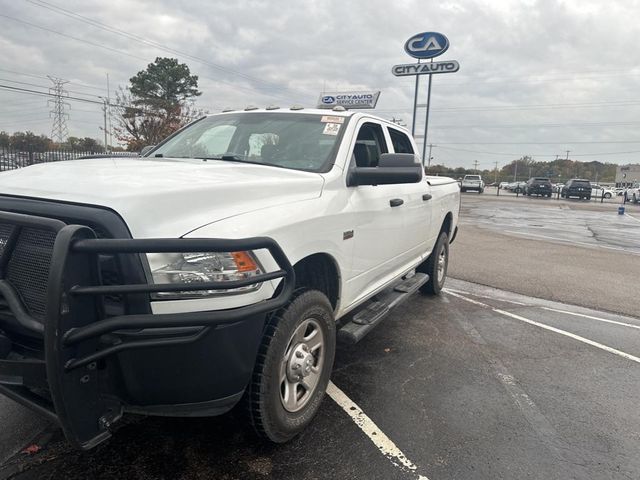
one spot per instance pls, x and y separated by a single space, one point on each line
202 267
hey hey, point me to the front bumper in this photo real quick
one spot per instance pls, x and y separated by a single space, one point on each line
82 368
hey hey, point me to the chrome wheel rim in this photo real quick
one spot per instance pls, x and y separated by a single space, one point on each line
442 264
301 365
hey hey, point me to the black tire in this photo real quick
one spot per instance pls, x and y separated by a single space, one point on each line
588 197
463 190
263 398
430 266
607 195
481 190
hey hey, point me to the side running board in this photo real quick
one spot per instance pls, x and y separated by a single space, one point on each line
372 314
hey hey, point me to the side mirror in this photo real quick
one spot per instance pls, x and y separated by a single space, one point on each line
393 168
146 150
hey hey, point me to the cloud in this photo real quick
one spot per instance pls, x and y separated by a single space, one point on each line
537 77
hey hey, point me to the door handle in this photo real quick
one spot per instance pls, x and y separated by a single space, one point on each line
396 202
426 196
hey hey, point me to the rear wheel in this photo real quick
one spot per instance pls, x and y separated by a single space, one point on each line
607 195
293 367
436 266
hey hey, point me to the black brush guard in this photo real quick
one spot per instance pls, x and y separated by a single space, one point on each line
75 320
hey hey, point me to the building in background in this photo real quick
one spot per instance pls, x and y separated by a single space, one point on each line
627 175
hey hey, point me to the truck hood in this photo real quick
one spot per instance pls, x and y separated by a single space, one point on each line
164 197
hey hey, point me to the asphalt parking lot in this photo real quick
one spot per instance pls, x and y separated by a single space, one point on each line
478 383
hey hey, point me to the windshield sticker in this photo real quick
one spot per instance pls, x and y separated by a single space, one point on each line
331 129
330 119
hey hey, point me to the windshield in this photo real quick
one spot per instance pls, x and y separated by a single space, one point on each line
298 141
472 177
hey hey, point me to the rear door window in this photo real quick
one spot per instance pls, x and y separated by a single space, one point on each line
401 143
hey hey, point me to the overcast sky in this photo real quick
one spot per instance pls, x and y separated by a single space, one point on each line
536 77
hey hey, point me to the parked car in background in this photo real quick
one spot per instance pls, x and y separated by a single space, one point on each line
7 164
517 187
503 185
472 182
538 186
599 191
577 187
633 193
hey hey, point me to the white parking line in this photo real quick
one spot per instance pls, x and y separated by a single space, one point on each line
630 325
620 353
486 296
371 430
571 242
631 216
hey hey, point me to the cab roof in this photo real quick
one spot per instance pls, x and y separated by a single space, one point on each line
313 111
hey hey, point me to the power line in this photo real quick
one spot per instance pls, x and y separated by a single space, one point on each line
537 154
562 142
120 52
36 92
146 41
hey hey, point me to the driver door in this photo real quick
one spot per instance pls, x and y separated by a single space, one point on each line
378 216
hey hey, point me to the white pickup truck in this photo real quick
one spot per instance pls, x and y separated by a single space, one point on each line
221 267
472 182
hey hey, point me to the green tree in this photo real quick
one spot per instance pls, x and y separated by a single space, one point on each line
165 83
5 139
29 141
86 144
158 101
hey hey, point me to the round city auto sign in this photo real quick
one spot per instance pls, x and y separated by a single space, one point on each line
426 45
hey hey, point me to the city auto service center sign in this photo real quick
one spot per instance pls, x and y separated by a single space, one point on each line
349 100
426 45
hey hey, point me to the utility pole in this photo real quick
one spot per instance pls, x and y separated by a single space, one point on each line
109 117
515 174
104 110
475 166
496 179
567 154
59 129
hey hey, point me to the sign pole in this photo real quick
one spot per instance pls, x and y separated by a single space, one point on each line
426 120
415 105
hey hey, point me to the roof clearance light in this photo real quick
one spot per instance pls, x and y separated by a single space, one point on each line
251 107
339 108
297 107
273 107
227 110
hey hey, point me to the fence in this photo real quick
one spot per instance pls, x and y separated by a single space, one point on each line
10 159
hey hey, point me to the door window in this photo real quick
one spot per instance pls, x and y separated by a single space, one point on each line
401 143
370 144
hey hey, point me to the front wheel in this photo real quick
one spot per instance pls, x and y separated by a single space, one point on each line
607 195
293 367
436 266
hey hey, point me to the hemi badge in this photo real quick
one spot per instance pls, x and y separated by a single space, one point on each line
347 235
